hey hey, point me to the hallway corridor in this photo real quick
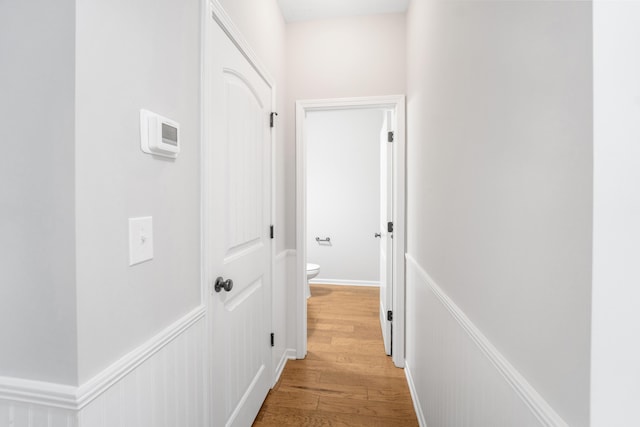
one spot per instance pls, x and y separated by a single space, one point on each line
346 379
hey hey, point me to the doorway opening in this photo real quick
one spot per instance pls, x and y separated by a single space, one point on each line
390 227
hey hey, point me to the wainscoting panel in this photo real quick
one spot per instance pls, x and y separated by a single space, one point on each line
456 376
160 384
287 266
15 414
166 390
285 261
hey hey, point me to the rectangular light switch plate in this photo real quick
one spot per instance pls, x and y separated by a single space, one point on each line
140 240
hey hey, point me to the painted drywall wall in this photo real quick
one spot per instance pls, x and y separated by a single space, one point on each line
500 183
343 193
337 58
37 231
615 373
151 61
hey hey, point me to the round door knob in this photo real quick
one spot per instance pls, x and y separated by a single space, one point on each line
377 235
221 284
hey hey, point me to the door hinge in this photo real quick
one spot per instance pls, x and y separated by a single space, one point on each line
273 339
390 316
390 136
271 120
271 232
390 227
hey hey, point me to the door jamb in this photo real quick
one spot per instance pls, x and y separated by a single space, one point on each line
396 102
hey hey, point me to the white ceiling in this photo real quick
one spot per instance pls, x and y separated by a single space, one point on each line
307 10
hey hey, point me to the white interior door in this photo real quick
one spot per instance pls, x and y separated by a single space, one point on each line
237 220
386 216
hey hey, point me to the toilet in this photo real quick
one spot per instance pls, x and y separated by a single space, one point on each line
312 271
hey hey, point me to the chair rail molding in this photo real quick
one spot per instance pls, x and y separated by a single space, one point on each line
74 398
538 406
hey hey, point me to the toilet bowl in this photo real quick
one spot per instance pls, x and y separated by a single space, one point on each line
312 271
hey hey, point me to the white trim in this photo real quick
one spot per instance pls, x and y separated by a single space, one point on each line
114 373
229 27
536 403
204 288
285 253
363 102
422 421
76 398
288 354
301 235
222 19
399 235
340 282
38 393
397 103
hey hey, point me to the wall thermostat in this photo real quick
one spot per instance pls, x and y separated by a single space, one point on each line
159 135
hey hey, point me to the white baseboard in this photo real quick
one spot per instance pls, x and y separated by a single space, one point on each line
341 282
414 396
289 354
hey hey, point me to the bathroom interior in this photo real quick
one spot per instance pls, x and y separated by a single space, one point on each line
344 167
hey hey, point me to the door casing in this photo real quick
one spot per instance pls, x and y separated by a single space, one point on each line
396 103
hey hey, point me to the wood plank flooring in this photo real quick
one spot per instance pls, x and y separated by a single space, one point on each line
346 378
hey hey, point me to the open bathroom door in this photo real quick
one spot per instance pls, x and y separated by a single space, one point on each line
386 233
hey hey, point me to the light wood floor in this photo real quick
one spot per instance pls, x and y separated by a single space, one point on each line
346 378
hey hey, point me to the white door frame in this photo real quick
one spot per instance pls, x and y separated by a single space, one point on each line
214 14
397 103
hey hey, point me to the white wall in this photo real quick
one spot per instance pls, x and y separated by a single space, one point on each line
133 55
358 56
75 312
500 190
337 58
343 193
37 236
615 373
